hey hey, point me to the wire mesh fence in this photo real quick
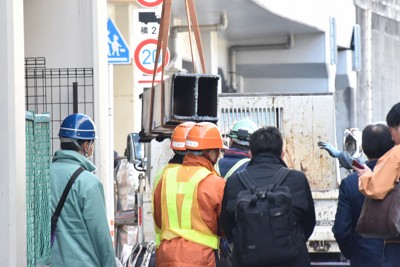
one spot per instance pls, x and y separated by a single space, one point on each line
58 91
50 96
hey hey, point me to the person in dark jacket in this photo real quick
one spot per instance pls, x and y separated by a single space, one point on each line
266 146
237 156
362 252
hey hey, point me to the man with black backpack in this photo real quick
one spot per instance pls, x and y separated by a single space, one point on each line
267 209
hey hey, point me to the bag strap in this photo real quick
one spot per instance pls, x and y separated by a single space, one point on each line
281 175
249 183
246 180
56 214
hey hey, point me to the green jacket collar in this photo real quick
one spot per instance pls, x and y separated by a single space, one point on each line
70 156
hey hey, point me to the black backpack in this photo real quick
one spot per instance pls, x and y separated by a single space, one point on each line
265 231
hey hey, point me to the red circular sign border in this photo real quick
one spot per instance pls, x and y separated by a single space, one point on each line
137 61
147 4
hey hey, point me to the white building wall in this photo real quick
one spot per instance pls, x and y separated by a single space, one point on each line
62 31
12 136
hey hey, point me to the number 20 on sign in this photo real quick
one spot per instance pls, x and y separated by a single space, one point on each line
145 56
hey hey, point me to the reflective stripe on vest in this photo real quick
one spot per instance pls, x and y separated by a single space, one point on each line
236 166
157 179
216 168
183 228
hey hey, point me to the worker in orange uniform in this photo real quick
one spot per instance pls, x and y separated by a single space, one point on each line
187 202
178 140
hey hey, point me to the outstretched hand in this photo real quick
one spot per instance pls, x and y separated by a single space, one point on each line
345 160
328 147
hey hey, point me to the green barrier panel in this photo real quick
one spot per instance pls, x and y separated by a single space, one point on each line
37 127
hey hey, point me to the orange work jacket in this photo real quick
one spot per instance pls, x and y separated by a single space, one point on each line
175 250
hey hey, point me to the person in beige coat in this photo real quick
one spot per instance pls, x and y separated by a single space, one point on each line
378 183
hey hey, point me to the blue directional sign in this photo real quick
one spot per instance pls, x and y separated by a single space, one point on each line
118 51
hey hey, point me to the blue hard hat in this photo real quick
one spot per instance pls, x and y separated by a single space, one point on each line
78 126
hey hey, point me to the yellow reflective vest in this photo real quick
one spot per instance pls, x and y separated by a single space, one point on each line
180 214
157 179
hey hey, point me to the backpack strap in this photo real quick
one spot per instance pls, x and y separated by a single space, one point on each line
56 214
249 183
246 180
281 175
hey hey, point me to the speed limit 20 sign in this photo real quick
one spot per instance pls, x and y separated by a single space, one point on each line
145 57
149 3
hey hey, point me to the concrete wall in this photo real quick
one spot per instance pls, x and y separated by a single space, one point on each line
385 65
61 31
379 77
304 67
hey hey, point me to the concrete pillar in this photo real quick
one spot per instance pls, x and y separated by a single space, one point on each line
365 76
127 111
12 136
210 44
103 108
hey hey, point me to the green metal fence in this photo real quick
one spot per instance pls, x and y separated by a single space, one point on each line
37 127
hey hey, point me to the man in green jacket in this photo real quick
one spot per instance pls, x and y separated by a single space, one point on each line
82 236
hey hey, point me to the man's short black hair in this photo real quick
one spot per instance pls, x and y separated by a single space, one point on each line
72 146
266 139
376 140
393 116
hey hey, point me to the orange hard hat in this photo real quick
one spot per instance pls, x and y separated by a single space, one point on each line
204 135
178 137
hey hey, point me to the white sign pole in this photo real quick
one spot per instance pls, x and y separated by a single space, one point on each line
109 186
